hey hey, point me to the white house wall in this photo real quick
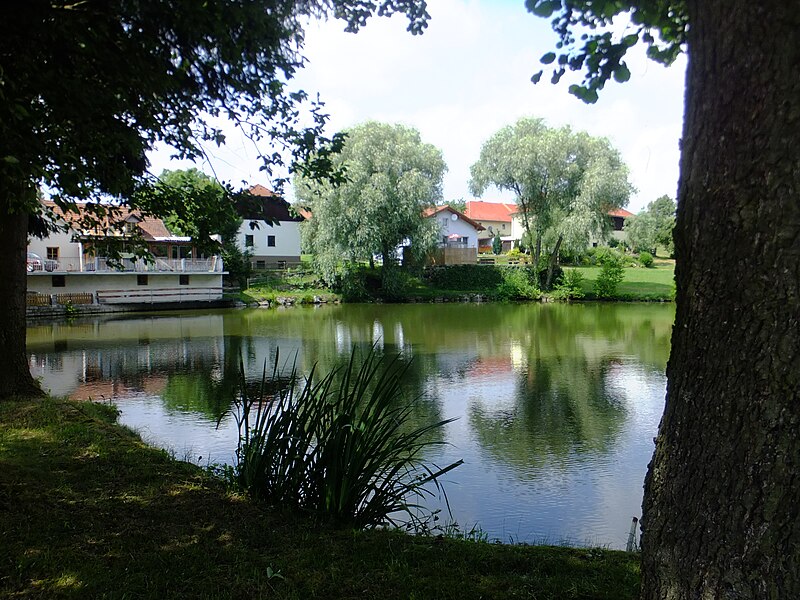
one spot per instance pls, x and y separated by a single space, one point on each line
69 252
123 288
460 227
287 241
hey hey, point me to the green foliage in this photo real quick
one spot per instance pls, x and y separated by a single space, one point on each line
340 447
653 227
519 283
391 177
646 259
588 41
570 287
497 245
196 205
465 277
565 182
612 272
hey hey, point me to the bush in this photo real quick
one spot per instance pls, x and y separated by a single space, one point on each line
342 448
465 277
646 259
611 274
570 287
518 284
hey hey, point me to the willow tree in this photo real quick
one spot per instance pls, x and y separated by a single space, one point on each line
564 182
720 516
390 177
88 88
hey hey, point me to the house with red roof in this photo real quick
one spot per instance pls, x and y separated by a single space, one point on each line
458 236
69 264
495 218
618 218
270 230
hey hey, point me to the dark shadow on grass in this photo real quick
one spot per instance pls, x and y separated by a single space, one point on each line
86 510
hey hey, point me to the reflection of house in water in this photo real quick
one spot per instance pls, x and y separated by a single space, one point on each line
108 359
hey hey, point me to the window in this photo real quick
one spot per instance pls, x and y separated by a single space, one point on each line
141 280
52 253
260 264
271 241
183 279
504 225
248 241
59 281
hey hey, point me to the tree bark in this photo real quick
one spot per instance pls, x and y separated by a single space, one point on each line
721 515
553 260
16 378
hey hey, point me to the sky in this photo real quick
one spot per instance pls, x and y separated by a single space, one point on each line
464 79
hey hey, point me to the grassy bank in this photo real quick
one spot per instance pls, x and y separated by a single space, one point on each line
639 284
87 510
655 283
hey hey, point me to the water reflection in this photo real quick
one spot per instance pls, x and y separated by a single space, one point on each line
558 404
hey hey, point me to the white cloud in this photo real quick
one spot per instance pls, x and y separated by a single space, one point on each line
466 77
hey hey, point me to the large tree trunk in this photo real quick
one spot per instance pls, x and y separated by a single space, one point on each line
15 376
722 497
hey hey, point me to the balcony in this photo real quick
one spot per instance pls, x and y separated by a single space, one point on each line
103 264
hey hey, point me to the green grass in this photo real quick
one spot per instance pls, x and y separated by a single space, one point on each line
87 511
301 285
657 283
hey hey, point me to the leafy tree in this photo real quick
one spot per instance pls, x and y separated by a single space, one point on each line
391 176
89 87
720 510
199 206
195 205
641 232
497 244
565 183
458 204
653 226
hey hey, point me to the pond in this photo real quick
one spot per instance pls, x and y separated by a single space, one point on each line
557 405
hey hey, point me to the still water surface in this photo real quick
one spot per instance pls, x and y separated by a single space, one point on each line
557 405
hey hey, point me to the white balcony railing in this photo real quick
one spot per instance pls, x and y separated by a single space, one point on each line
102 264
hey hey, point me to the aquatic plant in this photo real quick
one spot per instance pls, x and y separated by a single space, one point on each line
340 446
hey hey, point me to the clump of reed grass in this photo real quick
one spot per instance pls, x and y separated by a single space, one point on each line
340 446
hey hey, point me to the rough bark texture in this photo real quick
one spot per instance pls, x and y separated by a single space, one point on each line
15 377
722 497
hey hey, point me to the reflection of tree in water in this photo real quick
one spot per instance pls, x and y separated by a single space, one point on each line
561 411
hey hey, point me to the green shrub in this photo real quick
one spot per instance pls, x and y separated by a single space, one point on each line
464 277
497 244
570 287
611 274
519 283
342 447
646 259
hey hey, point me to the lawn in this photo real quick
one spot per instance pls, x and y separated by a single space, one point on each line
655 283
87 511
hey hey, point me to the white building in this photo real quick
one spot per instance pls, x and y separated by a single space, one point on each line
458 236
65 266
270 230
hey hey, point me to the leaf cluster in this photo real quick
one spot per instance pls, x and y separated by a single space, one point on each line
587 42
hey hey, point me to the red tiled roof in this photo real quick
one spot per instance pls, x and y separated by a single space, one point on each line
262 203
432 210
151 227
260 190
490 211
620 212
